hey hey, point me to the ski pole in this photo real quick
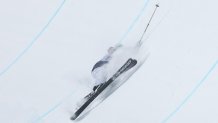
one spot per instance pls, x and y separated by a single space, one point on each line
140 41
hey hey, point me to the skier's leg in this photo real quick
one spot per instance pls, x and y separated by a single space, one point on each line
100 77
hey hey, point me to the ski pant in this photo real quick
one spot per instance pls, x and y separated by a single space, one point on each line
99 75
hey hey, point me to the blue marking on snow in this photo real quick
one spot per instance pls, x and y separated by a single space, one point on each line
134 22
40 118
46 113
190 95
33 40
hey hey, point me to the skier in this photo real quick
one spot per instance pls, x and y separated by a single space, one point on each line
99 73
99 70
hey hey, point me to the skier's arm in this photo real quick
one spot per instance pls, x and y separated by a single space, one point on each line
108 56
117 46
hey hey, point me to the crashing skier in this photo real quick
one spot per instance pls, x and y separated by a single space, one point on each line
99 70
100 73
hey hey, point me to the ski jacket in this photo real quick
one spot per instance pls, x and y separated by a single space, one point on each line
102 62
106 58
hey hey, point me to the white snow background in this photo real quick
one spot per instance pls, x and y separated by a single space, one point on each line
47 50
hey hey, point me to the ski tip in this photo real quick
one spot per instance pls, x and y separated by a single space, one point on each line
73 117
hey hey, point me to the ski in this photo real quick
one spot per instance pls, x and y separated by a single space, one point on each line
128 65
